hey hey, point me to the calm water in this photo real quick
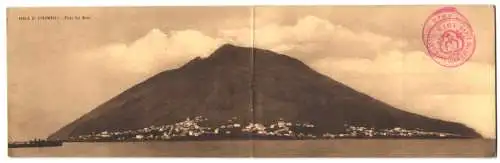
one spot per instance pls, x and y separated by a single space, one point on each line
272 148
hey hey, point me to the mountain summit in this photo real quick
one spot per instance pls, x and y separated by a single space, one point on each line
254 85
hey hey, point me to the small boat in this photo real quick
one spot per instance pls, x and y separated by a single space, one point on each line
36 143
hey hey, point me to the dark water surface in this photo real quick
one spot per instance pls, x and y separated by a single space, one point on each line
273 148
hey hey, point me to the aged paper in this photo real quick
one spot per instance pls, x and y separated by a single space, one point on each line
252 81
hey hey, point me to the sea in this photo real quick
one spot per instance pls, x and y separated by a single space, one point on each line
272 148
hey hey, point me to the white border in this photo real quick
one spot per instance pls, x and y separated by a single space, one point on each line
60 3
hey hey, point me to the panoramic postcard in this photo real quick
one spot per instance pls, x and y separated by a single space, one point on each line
251 81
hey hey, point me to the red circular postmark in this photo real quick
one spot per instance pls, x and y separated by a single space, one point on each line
448 37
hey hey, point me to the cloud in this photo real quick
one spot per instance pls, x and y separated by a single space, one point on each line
373 63
156 51
377 64
75 83
413 82
312 38
383 67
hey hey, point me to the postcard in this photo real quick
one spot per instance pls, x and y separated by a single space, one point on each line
252 81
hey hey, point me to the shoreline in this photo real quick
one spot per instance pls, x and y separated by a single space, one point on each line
198 140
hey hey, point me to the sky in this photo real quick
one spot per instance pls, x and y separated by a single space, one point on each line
60 70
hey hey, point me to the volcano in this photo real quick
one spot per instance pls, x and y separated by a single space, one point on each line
255 85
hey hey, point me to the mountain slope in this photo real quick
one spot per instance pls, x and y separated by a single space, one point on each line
223 86
286 88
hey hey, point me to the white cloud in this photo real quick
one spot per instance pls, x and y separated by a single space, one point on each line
411 81
372 63
379 66
90 78
156 51
369 62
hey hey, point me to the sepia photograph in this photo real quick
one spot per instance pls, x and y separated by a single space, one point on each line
252 81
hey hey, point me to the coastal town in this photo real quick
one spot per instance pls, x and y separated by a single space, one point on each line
192 129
